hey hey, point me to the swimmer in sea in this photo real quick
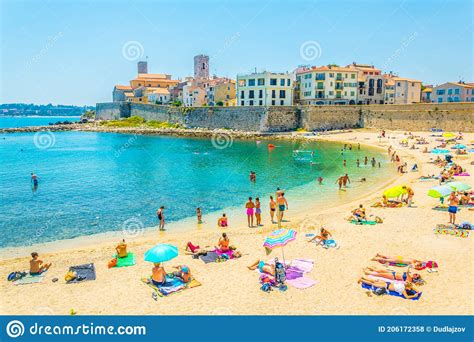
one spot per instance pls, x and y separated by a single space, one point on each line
373 162
344 163
320 180
345 180
358 146
366 160
358 162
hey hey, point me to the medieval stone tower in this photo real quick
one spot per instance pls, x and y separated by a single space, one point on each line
143 67
201 67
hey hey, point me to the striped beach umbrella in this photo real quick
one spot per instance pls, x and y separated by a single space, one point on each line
279 238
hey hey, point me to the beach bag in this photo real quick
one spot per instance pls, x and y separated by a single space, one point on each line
280 273
15 276
266 287
70 275
112 263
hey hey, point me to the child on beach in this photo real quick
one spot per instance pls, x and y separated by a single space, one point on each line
272 208
250 210
199 215
37 266
258 212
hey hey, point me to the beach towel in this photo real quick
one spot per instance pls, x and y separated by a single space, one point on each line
295 273
84 272
462 174
303 265
301 282
391 293
129 260
452 231
30 279
172 285
364 223
209 257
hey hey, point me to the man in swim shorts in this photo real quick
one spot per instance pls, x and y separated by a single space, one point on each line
453 202
282 206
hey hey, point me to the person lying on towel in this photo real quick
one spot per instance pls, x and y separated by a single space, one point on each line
400 288
263 267
183 272
401 276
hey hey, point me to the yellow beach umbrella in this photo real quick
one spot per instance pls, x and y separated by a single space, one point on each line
395 191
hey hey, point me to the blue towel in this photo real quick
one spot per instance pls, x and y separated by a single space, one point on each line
391 293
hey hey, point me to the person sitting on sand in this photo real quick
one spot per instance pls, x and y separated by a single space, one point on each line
37 266
322 237
222 221
358 214
183 273
223 244
402 276
158 275
121 249
263 267
400 288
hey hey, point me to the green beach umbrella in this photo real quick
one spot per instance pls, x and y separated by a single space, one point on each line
439 191
395 191
458 186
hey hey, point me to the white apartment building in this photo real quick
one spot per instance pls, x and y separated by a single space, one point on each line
327 85
406 90
265 89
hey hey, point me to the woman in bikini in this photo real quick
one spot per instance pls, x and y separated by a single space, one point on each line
400 288
161 217
250 208
322 238
402 276
223 244
263 267
258 212
399 260
272 208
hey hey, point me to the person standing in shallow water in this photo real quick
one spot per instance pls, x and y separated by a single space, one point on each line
250 211
258 212
161 217
272 209
34 181
282 206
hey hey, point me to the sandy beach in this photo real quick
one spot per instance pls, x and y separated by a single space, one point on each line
229 288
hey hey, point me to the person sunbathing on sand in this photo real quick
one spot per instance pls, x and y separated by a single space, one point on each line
416 264
37 266
194 250
263 267
158 275
183 272
402 276
321 239
121 249
400 288
222 221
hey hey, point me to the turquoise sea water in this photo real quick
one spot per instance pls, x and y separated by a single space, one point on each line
97 182
25 121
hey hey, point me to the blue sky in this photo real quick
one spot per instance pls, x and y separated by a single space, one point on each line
73 52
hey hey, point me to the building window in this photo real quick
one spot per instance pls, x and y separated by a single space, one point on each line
353 76
331 74
440 92
282 82
251 103
273 81
288 82
450 91
273 94
440 99
241 103
260 93
252 82
251 94
399 84
261 81
273 102
456 91
242 96
282 94
260 102
282 102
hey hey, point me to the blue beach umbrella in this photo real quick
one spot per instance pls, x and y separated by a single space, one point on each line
161 253
439 151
